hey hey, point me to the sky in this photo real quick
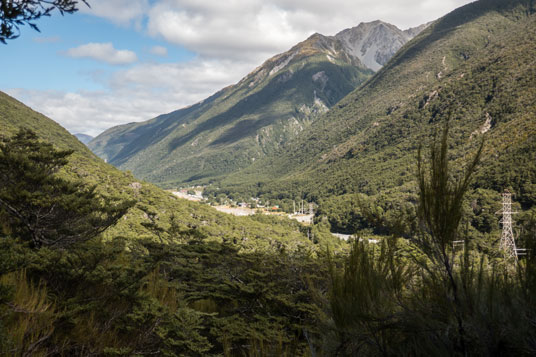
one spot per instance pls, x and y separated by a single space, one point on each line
124 61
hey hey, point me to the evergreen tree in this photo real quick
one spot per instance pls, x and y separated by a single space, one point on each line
42 207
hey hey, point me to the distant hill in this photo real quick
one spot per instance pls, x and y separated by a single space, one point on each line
240 124
476 63
85 139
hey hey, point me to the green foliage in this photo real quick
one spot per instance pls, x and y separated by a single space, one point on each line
28 316
261 297
440 211
363 299
383 214
43 208
441 199
201 298
14 13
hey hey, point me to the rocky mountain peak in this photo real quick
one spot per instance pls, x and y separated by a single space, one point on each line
317 44
374 43
264 110
370 45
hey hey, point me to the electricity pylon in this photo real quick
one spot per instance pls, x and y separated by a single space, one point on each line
508 244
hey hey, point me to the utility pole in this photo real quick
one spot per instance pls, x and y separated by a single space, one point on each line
508 244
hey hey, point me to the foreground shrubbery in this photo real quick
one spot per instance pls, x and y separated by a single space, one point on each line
146 298
427 297
65 291
388 302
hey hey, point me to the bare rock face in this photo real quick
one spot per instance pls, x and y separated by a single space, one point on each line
374 43
369 45
414 31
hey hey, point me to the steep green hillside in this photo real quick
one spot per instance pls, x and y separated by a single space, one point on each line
154 207
477 63
241 123
170 278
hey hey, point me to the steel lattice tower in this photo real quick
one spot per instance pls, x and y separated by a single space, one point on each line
508 244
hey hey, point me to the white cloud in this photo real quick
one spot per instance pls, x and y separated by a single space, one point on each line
122 12
232 30
104 52
135 94
255 29
92 112
159 51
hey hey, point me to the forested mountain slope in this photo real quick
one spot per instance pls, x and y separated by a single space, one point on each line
242 123
171 277
154 208
476 65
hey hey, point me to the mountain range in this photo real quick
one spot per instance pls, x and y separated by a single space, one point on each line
316 123
475 66
252 119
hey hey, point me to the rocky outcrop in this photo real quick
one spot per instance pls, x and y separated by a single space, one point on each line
374 43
